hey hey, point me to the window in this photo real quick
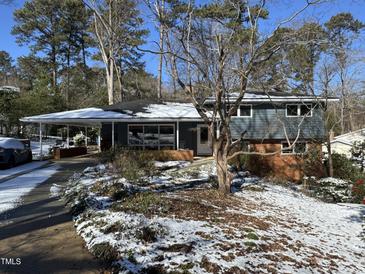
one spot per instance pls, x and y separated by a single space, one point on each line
204 138
298 148
296 110
227 110
152 137
135 135
292 110
167 136
245 110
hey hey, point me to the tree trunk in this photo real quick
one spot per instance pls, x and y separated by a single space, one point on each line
54 68
161 44
110 82
224 178
329 151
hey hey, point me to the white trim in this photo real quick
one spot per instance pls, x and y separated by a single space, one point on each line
293 148
158 127
206 148
298 110
98 122
239 111
68 136
177 135
40 141
86 136
280 100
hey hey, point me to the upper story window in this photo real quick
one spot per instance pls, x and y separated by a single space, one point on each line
298 110
234 114
243 111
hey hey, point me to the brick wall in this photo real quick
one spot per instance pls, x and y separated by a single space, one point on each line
288 167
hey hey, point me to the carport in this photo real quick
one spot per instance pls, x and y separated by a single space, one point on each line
86 118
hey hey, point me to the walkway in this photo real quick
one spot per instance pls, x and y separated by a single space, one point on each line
41 234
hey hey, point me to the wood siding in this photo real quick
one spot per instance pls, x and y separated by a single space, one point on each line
265 124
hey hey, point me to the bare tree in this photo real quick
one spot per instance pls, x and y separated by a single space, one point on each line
216 48
118 33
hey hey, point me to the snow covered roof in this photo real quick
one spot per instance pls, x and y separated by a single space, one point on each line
129 111
351 137
9 89
273 96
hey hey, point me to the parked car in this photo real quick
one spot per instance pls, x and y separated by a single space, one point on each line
14 152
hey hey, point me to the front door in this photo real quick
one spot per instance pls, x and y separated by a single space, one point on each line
204 142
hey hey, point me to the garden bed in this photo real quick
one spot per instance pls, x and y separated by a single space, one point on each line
175 221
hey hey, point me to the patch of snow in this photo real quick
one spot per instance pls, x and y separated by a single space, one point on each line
55 190
324 231
22 168
171 164
84 113
11 191
294 233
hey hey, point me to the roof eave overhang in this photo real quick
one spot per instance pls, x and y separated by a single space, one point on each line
277 100
99 121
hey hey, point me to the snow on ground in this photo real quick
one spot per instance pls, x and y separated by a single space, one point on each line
22 168
55 190
12 191
329 234
36 149
171 164
183 226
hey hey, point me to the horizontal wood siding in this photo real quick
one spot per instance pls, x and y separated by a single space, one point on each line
265 124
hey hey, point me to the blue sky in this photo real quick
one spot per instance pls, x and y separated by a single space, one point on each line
279 10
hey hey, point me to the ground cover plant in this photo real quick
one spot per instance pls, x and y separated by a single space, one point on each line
176 221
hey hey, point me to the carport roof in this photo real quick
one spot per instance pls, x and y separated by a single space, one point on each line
140 110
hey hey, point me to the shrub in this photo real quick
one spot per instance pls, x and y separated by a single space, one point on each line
333 190
313 165
344 168
115 190
145 203
79 139
105 252
358 154
147 234
133 165
240 162
358 191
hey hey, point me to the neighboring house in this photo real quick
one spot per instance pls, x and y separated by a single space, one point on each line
10 89
262 120
343 144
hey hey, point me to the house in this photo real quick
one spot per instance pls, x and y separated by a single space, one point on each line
342 144
266 119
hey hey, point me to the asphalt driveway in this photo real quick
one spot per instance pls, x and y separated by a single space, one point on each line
39 236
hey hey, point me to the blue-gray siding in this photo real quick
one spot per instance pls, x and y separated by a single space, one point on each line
265 124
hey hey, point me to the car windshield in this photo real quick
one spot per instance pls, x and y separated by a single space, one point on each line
11 143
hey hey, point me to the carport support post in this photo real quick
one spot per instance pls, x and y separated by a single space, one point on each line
86 137
68 137
40 142
177 136
113 135
99 139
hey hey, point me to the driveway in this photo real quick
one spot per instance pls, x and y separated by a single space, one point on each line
39 237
